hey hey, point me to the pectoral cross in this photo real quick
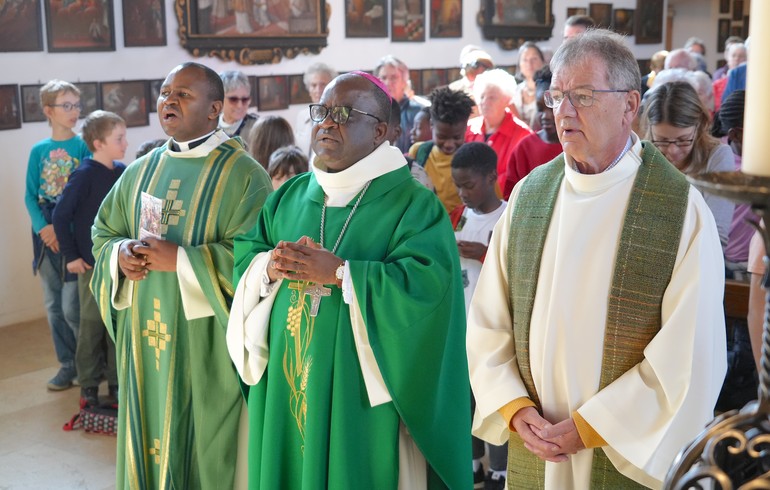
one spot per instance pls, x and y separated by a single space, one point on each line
316 291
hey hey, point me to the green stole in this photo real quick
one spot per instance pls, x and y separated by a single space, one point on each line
646 255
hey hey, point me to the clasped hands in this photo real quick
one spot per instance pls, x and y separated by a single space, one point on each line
136 258
303 260
549 442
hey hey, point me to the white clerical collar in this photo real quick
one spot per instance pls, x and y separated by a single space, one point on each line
342 186
228 127
625 168
200 146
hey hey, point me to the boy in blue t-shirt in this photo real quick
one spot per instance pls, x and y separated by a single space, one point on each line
51 162
105 134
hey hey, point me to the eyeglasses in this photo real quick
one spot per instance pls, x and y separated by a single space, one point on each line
234 100
68 106
339 113
579 97
680 143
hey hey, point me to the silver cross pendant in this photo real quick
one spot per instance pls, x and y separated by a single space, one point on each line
316 291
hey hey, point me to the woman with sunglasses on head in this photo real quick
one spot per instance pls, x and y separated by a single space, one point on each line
678 124
235 120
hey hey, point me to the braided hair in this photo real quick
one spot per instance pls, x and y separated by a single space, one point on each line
730 114
450 106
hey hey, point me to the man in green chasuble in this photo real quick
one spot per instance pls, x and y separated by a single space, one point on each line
347 324
163 242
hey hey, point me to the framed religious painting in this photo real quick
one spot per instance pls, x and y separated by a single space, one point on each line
407 21
20 26
154 88
513 22
10 109
724 6
144 23
89 97
415 80
234 31
433 78
736 30
745 33
644 66
648 21
738 10
623 21
366 18
298 93
723 32
31 109
128 100
453 74
601 13
446 18
576 11
80 26
273 93
254 93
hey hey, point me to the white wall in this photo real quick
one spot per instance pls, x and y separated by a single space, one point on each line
20 292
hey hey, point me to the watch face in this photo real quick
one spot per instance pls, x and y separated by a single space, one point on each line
340 271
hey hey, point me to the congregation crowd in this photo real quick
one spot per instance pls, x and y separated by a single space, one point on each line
395 285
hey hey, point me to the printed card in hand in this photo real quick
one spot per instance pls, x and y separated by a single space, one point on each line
150 220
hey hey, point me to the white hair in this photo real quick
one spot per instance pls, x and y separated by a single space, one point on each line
498 78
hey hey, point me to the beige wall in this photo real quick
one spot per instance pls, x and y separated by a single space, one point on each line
20 292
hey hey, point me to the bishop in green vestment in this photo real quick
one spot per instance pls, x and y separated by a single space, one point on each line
348 321
165 300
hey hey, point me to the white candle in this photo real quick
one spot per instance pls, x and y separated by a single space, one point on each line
756 158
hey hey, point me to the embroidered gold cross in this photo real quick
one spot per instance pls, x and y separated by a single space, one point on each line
156 332
155 450
172 208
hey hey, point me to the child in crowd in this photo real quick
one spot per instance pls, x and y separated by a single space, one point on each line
51 162
421 127
474 172
449 113
105 134
394 131
285 163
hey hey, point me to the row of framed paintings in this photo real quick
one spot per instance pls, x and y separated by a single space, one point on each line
645 22
407 19
79 25
134 100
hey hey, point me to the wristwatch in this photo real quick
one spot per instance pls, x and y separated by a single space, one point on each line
339 274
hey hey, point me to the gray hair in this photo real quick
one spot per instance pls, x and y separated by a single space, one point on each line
695 41
702 84
234 79
670 75
318 68
677 54
497 78
622 68
698 80
390 60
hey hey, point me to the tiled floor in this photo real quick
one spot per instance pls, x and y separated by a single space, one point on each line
35 453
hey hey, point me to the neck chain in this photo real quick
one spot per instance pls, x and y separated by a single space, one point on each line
347 221
614 162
